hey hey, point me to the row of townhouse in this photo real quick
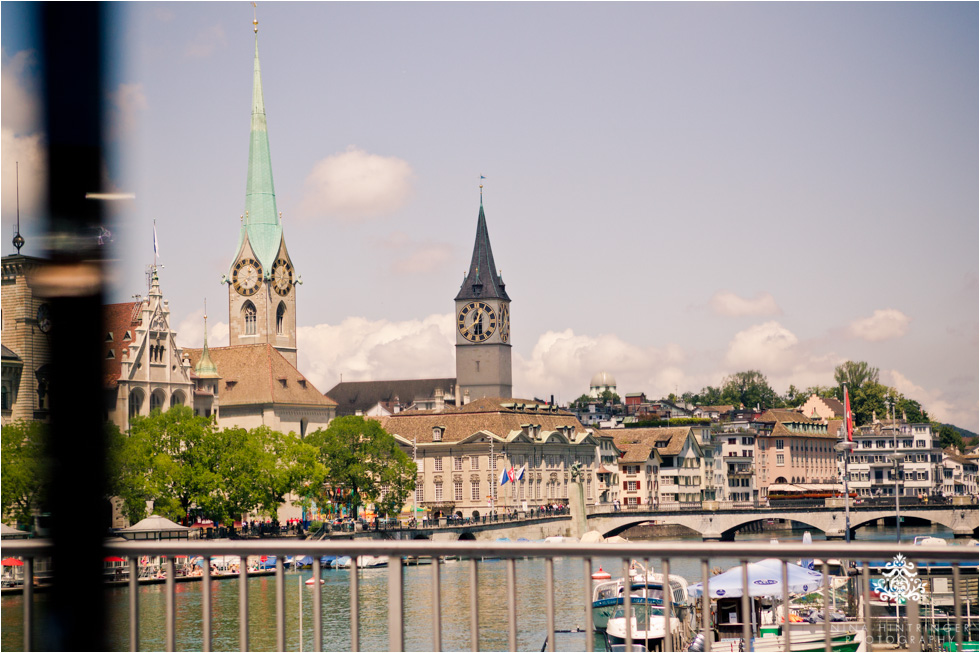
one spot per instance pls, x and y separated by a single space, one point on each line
872 469
959 473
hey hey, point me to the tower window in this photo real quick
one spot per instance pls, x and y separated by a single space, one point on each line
280 318
251 318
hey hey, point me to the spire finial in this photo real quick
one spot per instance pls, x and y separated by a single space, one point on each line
18 239
255 19
481 189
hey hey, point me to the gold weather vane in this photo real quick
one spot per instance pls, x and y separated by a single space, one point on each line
481 188
255 19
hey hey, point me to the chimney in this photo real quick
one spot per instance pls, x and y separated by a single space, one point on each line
466 397
440 400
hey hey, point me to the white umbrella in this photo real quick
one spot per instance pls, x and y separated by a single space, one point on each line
765 579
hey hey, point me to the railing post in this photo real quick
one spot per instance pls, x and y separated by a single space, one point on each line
171 604
134 610
29 604
280 603
242 605
396 633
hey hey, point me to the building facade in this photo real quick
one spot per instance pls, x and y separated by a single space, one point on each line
872 470
26 333
794 449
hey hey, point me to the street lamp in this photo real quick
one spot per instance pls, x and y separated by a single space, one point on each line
898 459
846 447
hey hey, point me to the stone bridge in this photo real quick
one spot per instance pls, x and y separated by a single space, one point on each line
722 524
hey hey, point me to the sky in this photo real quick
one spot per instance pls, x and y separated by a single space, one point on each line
674 191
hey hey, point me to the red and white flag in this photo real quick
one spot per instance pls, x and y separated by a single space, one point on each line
848 418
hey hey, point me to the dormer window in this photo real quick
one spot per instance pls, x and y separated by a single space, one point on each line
437 433
108 337
110 355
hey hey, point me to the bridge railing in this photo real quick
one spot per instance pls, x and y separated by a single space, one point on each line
664 553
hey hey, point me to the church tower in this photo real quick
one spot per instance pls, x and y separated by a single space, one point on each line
483 366
261 280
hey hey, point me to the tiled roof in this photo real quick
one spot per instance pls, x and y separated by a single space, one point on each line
834 404
486 414
781 417
119 320
354 396
258 374
675 435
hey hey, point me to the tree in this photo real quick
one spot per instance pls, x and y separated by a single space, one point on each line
364 460
856 375
24 470
750 389
709 396
949 436
608 396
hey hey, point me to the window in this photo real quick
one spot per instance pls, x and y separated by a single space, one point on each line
780 460
474 462
457 463
251 318
474 490
438 464
419 491
438 487
437 436
156 401
632 486
779 445
280 317
135 403
457 490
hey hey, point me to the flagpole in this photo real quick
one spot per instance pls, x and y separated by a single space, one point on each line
846 447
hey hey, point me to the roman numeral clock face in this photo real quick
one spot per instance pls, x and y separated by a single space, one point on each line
477 321
247 276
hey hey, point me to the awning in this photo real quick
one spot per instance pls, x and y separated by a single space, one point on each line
11 562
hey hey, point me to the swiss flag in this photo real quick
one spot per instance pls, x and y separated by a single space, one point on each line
848 418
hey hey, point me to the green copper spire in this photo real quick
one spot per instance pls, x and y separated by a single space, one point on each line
205 368
262 224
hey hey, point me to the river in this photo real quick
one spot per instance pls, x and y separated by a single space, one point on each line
569 613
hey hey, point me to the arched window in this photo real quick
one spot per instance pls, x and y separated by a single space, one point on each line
156 400
251 319
177 399
280 318
135 402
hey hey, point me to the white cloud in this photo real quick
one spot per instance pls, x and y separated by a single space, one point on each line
20 141
190 331
769 346
415 257
935 402
361 350
206 42
127 102
730 304
355 185
886 324
563 363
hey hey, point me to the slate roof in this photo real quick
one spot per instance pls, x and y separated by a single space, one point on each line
482 281
258 374
118 319
498 416
354 396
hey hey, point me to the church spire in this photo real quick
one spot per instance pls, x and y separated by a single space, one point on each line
205 368
262 224
482 281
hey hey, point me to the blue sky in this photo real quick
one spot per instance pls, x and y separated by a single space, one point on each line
674 192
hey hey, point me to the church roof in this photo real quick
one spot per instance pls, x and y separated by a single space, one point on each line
354 396
120 320
261 223
499 416
482 281
258 374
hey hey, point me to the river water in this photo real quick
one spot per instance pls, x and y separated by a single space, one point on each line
569 612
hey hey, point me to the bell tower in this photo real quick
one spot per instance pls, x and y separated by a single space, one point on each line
261 280
483 347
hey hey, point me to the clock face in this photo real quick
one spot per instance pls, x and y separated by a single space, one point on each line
477 321
247 276
44 318
282 276
504 322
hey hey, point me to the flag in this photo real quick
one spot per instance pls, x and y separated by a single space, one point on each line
504 476
512 475
848 418
156 246
520 473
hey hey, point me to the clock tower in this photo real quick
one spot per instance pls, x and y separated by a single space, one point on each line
483 345
261 280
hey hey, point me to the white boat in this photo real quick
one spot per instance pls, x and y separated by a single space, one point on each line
363 562
647 627
646 588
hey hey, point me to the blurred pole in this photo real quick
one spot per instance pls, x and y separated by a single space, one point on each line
72 284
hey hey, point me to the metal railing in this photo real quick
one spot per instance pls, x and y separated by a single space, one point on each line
509 552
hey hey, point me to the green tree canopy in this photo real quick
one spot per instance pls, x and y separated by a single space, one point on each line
363 459
856 375
24 470
949 436
750 389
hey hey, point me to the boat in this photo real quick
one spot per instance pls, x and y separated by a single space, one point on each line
312 581
646 587
341 562
647 627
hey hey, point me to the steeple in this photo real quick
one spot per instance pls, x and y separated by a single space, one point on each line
262 223
483 280
205 368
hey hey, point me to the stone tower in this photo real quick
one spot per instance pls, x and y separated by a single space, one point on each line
483 366
261 280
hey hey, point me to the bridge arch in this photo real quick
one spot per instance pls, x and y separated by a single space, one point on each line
730 533
467 537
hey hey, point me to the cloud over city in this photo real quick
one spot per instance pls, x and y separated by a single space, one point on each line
21 141
884 324
410 256
731 305
355 185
